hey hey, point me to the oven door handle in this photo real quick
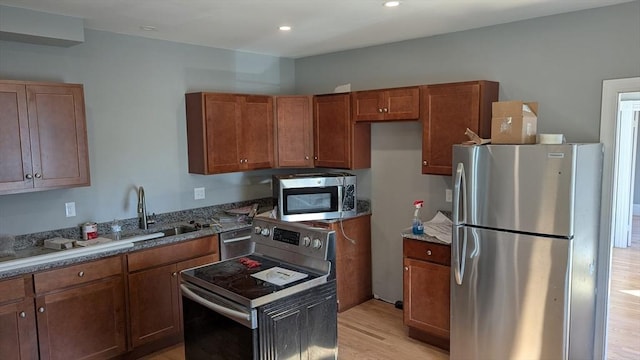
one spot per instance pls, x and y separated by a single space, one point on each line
226 241
244 317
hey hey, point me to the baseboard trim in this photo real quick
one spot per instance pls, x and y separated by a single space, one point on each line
636 209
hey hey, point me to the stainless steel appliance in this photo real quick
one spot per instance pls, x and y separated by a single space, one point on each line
526 222
277 303
237 242
317 196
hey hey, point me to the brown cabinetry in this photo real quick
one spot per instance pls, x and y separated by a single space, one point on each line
294 131
229 132
447 111
386 104
18 338
81 311
426 291
154 293
43 137
339 142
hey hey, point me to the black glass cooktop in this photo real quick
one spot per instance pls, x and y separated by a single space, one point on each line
234 275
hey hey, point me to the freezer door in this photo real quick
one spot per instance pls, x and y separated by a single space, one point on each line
525 188
512 300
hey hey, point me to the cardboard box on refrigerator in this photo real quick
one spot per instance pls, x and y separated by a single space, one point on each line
514 122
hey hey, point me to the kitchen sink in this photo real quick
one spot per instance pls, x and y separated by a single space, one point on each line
177 230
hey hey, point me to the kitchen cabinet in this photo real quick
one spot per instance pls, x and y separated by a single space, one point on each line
155 305
397 104
18 340
447 110
294 131
229 132
81 310
43 137
353 259
339 142
426 291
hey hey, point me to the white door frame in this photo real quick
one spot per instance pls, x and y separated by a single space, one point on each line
608 125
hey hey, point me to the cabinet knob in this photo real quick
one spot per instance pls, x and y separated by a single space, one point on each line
29 176
429 252
306 158
38 175
379 110
41 309
174 274
406 268
385 110
315 158
425 163
81 274
23 314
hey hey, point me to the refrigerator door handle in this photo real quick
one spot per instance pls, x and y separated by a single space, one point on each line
459 197
459 218
459 256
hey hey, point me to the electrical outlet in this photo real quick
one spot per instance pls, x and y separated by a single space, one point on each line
70 209
448 195
198 193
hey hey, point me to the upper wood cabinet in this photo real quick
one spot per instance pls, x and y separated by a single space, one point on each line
43 136
294 131
447 111
338 141
386 104
229 132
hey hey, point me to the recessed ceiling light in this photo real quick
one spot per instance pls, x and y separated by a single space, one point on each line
391 3
148 28
285 28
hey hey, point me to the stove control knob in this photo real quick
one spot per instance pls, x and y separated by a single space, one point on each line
306 241
317 244
257 229
265 232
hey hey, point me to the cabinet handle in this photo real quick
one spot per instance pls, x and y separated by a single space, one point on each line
425 163
385 110
174 274
29 176
23 314
306 158
38 175
429 252
406 268
379 110
81 274
41 309
315 158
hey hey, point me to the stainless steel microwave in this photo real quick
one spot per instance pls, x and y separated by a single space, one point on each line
315 196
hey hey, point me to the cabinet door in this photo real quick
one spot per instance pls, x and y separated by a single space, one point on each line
353 261
222 119
294 131
402 104
426 296
18 338
256 132
368 105
15 146
58 135
84 322
154 304
447 111
332 131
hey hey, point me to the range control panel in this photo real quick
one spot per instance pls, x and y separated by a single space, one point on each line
294 237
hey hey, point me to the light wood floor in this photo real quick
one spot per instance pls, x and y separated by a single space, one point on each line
623 340
374 330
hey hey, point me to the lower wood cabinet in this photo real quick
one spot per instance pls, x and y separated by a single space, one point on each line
81 311
18 339
155 307
426 291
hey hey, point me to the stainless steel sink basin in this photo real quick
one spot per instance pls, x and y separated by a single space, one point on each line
177 230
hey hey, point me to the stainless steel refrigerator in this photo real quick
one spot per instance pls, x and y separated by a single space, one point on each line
524 249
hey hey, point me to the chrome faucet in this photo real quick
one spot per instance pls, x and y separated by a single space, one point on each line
143 221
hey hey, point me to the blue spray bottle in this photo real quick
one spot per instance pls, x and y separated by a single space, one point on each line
417 227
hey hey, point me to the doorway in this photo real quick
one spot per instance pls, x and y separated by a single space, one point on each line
610 136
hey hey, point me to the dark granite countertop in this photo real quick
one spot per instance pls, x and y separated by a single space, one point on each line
407 233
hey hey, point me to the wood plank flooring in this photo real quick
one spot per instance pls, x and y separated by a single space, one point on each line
624 300
374 330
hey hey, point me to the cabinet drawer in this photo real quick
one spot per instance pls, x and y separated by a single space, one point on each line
12 290
172 253
77 274
423 250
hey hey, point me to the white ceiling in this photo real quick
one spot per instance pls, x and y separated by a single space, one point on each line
319 26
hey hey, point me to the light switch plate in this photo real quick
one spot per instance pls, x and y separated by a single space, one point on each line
198 193
70 209
448 195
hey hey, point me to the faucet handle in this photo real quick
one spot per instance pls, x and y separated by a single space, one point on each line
151 219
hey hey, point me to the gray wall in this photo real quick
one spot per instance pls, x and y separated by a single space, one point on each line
636 188
559 61
134 97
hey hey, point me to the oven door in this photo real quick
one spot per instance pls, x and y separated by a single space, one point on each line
215 328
